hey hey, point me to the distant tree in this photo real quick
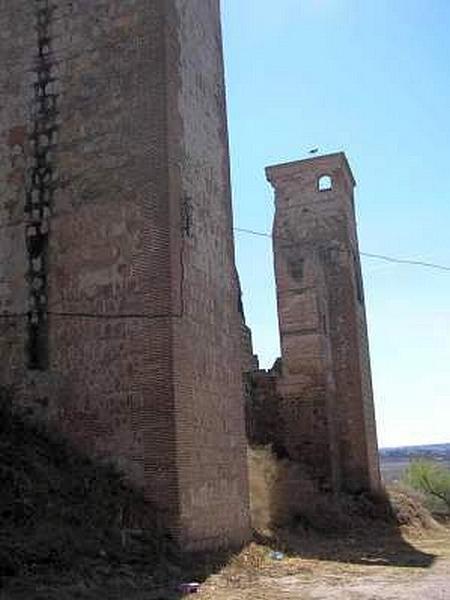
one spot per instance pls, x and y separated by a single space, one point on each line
431 478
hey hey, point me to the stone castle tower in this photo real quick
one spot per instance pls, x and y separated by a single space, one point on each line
118 290
325 390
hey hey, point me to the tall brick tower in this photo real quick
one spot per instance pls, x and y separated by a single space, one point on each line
118 291
325 387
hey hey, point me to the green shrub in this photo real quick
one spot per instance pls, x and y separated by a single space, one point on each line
432 479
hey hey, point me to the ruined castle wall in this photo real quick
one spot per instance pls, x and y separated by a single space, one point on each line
208 369
109 249
264 419
92 194
325 383
17 50
370 423
306 385
117 117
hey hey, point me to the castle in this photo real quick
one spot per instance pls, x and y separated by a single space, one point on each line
120 314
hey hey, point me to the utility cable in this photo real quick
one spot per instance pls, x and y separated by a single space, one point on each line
392 259
89 315
113 316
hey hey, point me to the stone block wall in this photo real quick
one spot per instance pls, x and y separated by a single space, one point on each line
118 288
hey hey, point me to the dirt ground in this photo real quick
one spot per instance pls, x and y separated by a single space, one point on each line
390 568
60 539
365 566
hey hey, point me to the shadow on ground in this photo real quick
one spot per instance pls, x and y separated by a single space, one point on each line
70 528
376 546
379 544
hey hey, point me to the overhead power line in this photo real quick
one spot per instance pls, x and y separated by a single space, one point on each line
406 261
88 315
391 259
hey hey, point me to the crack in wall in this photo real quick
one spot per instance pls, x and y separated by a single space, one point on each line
40 189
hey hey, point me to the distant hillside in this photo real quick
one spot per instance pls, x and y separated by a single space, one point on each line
435 451
394 461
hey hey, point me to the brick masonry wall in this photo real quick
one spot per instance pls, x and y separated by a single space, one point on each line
138 278
264 417
18 47
207 341
250 361
325 382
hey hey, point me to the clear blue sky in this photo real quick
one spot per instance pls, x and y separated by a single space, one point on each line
371 78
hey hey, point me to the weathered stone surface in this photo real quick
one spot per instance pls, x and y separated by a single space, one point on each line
113 149
326 406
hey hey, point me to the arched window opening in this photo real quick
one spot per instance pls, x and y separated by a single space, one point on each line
324 183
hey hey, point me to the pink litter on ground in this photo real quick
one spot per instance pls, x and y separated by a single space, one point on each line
189 588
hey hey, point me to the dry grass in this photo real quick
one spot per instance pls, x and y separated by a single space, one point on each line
279 489
62 519
410 510
282 496
361 547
